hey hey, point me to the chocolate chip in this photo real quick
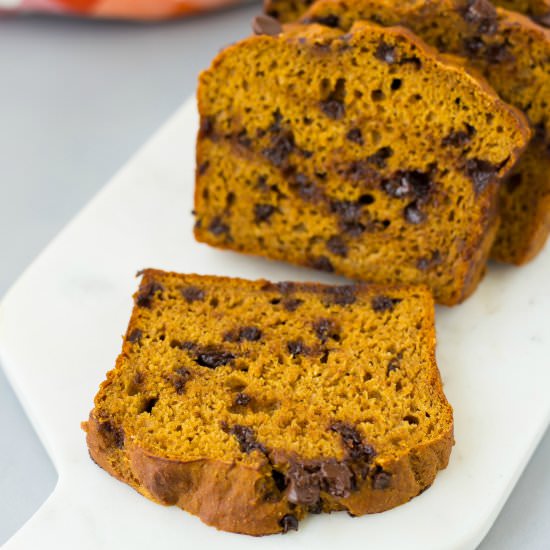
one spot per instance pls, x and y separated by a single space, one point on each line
179 378
379 158
413 214
146 293
322 263
242 399
474 45
381 480
192 294
135 336
204 167
187 346
297 347
336 478
218 227
305 188
279 480
498 53
112 436
264 24
384 303
249 334
325 329
386 52
304 484
289 523
246 439
410 183
483 14
333 108
353 442
361 171
430 262
513 182
292 304
337 246
330 20
482 173
355 135
341 295
393 365
212 357
459 138
281 147
262 212
206 127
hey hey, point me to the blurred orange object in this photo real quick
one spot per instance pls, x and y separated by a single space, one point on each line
121 9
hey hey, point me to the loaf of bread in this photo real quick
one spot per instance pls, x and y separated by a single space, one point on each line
339 151
252 404
290 10
539 10
513 53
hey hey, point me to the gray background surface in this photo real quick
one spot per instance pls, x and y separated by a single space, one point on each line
77 98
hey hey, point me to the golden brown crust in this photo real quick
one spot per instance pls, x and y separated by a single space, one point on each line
233 493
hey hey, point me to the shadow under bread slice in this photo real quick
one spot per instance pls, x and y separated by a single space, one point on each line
329 149
252 404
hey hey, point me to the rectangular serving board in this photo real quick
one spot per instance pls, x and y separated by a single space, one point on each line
61 327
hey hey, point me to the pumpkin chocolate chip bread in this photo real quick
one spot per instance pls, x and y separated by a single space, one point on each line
290 10
338 151
252 404
513 54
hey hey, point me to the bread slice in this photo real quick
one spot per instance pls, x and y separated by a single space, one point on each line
539 10
251 404
513 53
290 10
330 151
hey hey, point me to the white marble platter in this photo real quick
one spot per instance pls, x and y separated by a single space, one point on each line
60 331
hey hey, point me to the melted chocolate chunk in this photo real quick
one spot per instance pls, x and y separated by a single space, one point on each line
353 443
297 347
242 399
180 377
306 189
112 436
264 24
483 14
498 53
244 334
206 127
282 146
349 214
336 478
289 523
279 480
341 295
381 480
263 212
135 336
193 294
430 262
330 20
355 135
413 214
386 52
325 329
393 365
333 108
379 158
146 293
410 183
384 303
459 138
246 439
322 263
292 304
212 357
482 173
218 227
474 45
337 246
